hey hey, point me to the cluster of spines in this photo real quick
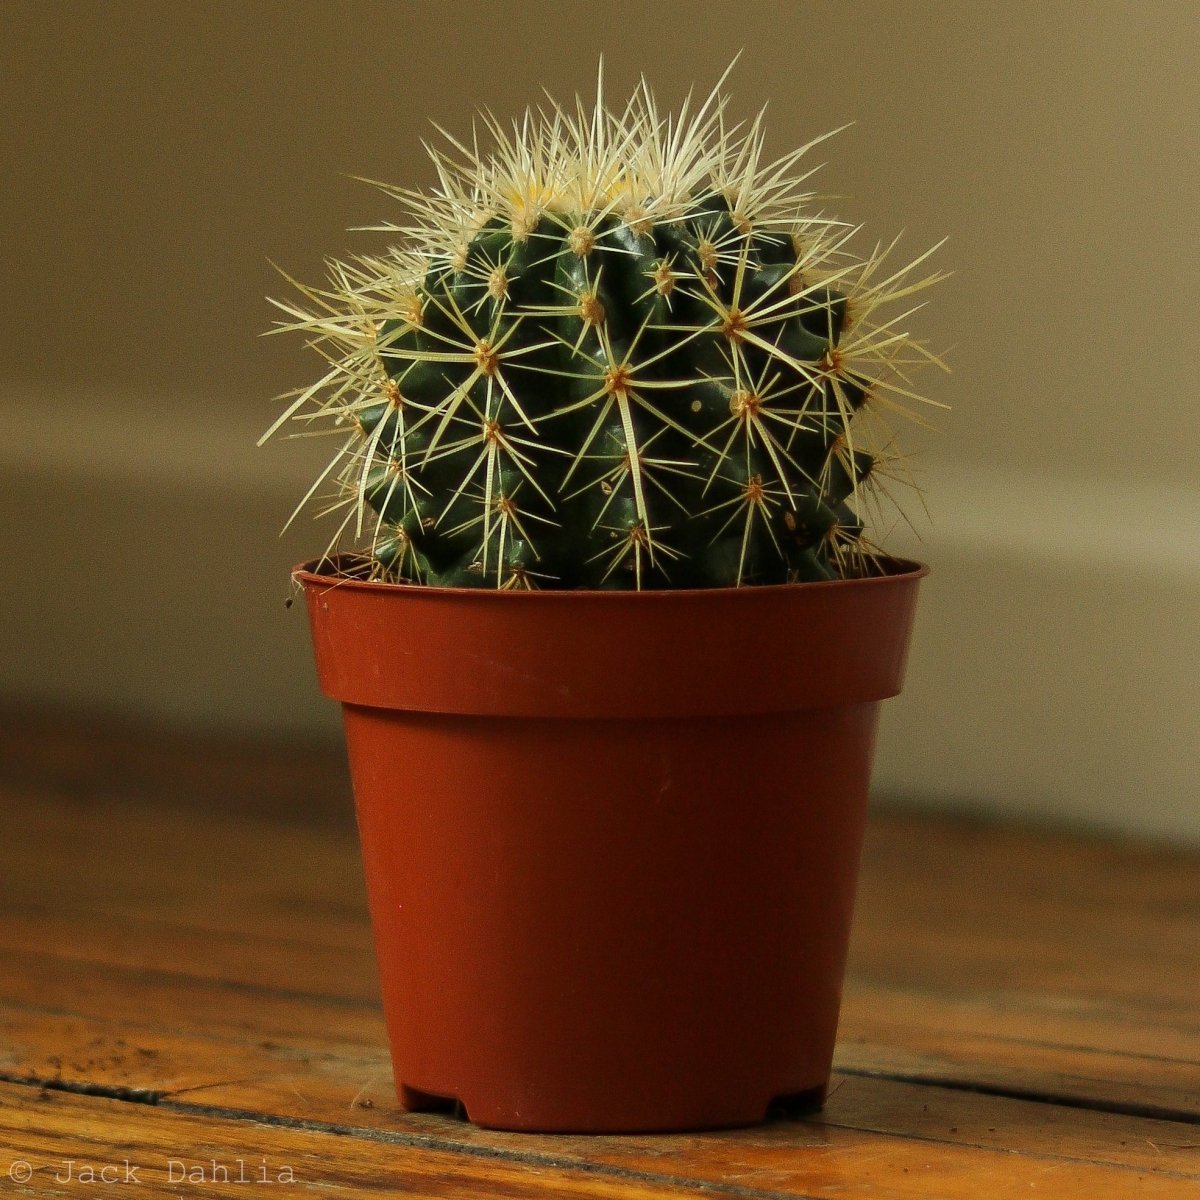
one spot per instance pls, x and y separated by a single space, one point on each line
612 351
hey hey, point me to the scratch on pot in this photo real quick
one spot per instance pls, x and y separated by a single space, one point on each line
495 665
667 778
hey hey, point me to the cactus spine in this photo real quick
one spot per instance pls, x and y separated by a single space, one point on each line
616 349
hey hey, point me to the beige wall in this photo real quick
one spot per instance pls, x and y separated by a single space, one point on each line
158 154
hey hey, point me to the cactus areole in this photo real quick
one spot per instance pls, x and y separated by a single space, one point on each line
608 633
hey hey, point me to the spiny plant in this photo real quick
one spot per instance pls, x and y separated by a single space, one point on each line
611 349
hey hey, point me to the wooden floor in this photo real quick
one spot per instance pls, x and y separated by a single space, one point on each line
187 992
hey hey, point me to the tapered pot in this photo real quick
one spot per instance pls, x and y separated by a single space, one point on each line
611 839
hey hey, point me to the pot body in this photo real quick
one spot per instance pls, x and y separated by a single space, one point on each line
611 840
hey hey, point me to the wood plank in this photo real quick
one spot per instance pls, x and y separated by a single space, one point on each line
956 905
975 1054
216 958
1009 912
136 885
337 1081
252 959
941 1041
1075 907
42 1129
783 1159
1155 1070
211 868
884 1012
180 1002
244 898
1002 1123
88 757
118 857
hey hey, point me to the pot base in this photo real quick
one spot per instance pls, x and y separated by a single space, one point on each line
790 1106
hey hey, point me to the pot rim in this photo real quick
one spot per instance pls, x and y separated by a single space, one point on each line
310 572
596 654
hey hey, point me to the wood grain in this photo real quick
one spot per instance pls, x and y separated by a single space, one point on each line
780 1160
1021 1015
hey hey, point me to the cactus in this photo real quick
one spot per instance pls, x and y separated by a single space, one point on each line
615 349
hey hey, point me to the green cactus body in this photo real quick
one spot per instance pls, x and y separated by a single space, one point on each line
612 356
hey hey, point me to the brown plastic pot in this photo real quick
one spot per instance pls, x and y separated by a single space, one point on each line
611 839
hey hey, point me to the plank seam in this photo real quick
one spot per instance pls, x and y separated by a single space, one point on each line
1120 1108
108 1091
166 975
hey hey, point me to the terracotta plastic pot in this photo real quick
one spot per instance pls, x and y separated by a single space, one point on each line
611 839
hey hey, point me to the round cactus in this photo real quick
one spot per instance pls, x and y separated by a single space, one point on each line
614 349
